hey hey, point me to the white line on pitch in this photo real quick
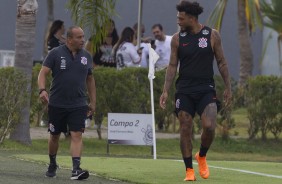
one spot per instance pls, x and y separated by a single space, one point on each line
248 172
243 171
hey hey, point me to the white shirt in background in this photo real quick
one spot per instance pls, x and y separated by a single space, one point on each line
163 49
127 55
145 55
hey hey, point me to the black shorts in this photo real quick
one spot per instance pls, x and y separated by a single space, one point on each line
62 118
193 103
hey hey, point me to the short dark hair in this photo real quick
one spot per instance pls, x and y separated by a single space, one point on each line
157 25
191 8
69 32
135 26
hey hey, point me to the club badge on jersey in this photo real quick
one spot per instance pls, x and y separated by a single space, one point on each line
83 60
203 42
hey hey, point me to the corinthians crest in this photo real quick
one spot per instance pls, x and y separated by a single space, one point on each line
83 60
203 42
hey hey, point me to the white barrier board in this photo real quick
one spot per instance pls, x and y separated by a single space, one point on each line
7 58
130 129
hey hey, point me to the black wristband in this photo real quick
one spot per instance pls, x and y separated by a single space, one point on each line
41 90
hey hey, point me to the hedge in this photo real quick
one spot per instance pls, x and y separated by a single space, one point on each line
13 95
128 91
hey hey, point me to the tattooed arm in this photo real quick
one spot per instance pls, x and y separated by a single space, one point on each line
171 70
222 64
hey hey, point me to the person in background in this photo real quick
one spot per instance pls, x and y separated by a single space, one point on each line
145 48
142 32
103 56
194 49
72 73
125 52
56 35
162 46
55 38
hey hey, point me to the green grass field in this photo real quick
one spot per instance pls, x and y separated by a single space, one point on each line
232 150
166 171
135 164
234 161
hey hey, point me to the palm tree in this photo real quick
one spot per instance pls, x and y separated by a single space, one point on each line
272 13
24 47
92 16
248 18
50 19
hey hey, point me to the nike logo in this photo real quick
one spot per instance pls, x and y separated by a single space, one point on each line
185 44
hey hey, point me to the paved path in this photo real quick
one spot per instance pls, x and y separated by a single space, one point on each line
41 133
14 171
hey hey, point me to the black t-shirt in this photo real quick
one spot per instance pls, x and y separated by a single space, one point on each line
104 57
196 62
69 74
53 42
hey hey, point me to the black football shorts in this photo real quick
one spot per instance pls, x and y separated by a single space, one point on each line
193 103
62 118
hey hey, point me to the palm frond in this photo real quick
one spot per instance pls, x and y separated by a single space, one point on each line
215 18
253 14
252 11
272 18
92 16
272 14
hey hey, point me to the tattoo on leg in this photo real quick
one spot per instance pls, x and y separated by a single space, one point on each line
209 117
186 125
210 110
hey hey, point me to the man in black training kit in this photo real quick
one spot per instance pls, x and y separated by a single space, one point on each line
194 48
71 68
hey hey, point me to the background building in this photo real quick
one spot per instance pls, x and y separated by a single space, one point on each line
154 11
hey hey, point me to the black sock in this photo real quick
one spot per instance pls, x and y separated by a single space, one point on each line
203 151
75 163
188 162
52 159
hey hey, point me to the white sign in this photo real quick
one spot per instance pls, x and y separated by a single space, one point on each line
130 129
7 58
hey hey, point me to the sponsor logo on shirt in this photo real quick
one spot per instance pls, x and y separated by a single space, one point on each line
63 63
183 34
205 32
203 42
83 60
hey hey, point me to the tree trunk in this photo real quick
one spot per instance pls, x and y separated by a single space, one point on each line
50 19
246 54
24 48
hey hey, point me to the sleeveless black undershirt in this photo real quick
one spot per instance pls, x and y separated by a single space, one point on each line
196 62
